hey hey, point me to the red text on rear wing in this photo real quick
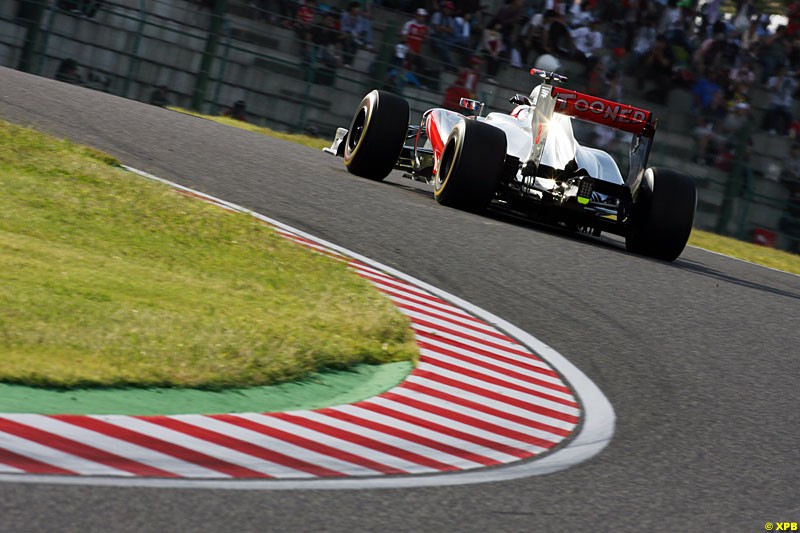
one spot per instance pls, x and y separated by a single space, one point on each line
600 111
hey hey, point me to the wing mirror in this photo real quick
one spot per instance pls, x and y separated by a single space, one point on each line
472 105
520 99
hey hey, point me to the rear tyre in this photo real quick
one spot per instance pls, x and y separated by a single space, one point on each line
376 135
471 166
663 214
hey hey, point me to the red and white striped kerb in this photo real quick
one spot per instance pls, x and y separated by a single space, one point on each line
477 399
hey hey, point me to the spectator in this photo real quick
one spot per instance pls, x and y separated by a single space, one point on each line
462 36
91 7
744 13
160 96
327 41
598 81
613 39
738 120
739 126
306 13
718 144
778 118
442 31
643 43
580 14
509 17
398 74
711 16
356 29
473 7
530 37
493 47
84 8
281 13
649 10
555 34
670 18
614 85
68 72
558 6
743 77
415 32
762 27
773 53
588 41
709 132
749 39
737 93
95 80
238 111
710 53
678 32
465 85
657 69
303 24
71 6
632 19
790 178
704 90
731 51
793 14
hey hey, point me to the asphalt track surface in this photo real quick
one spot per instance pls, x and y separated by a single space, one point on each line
698 357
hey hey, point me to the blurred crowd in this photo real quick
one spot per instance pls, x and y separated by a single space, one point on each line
720 55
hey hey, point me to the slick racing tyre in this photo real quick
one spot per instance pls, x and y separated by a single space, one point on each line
471 166
376 135
663 215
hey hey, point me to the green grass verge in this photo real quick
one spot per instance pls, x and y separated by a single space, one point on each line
297 138
107 279
702 239
744 250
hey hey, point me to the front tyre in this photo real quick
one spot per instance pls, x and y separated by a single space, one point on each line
663 214
471 166
376 135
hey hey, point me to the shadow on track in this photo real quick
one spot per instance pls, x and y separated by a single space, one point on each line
600 242
703 270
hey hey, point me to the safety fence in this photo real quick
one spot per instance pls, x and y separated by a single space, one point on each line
208 55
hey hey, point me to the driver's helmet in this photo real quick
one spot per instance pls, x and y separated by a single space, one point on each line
548 62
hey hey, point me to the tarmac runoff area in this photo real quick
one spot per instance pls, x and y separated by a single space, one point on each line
488 402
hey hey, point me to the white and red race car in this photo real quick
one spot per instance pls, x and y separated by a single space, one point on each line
529 163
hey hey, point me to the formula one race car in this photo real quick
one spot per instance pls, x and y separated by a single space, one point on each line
529 163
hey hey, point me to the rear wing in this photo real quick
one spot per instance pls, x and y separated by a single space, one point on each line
552 99
605 112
